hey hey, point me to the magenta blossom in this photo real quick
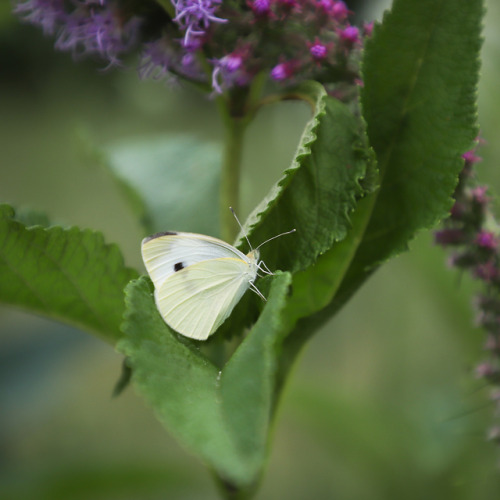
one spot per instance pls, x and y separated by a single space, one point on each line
282 71
318 50
350 34
486 239
227 71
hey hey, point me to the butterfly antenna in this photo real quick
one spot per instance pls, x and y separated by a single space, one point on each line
277 236
241 227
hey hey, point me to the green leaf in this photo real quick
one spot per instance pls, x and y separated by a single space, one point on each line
317 194
222 417
67 274
170 181
419 101
248 379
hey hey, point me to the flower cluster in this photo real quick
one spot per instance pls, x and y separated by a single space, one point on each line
221 44
84 27
473 234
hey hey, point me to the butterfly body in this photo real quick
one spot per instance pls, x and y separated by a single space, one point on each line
198 279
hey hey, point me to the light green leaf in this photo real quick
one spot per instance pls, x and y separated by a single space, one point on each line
223 418
67 274
248 380
172 182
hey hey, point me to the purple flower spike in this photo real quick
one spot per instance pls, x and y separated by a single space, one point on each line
195 16
45 13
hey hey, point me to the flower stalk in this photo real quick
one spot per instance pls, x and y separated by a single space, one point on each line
473 234
234 128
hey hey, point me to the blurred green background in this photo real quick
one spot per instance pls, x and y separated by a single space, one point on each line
383 403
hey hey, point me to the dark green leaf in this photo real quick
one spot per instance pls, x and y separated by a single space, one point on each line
68 274
171 182
419 100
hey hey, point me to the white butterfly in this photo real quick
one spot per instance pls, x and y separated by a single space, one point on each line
199 279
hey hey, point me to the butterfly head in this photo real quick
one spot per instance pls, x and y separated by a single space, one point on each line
254 255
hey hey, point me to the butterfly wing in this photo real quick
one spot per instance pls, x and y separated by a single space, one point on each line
167 253
196 300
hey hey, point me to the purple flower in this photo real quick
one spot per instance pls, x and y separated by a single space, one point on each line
449 236
45 13
156 60
487 272
162 59
485 370
282 71
479 195
368 28
471 157
92 29
340 11
261 7
318 50
227 71
350 34
486 239
326 5
195 16
275 35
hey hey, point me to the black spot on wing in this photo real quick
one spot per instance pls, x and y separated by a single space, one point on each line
158 235
178 266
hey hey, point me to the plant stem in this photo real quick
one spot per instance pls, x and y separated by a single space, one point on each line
235 127
237 108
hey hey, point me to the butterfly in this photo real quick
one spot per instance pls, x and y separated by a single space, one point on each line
199 279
